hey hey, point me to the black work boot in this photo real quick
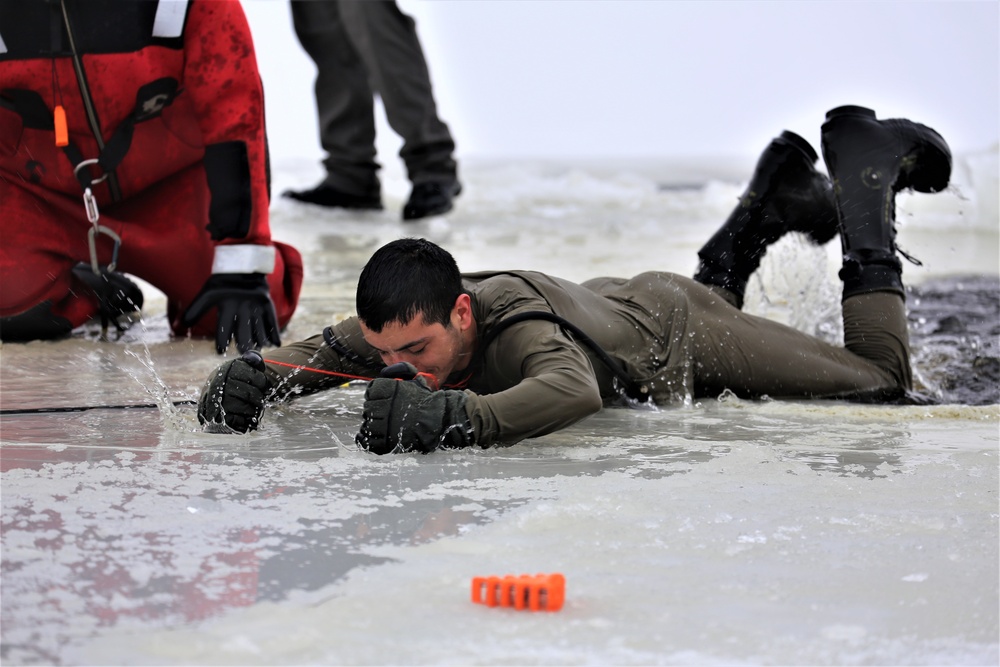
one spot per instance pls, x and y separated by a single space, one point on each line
785 194
36 323
326 195
870 161
433 198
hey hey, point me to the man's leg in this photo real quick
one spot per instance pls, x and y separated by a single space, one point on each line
870 161
345 106
785 194
754 356
705 345
387 42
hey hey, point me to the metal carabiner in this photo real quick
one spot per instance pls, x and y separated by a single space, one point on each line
94 216
87 163
92 242
90 206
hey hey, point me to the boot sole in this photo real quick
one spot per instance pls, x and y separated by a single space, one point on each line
926 167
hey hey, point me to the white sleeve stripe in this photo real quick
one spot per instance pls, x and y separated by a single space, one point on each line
3 47
169 21
244 259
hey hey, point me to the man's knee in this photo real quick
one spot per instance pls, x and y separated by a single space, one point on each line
36 323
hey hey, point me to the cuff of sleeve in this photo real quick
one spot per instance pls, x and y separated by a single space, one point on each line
244 259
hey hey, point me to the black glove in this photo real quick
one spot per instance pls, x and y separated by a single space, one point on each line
246 311
406 416
234 394
118 298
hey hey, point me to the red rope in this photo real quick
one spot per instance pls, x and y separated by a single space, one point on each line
318 370
458 385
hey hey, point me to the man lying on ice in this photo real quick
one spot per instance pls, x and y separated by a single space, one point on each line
496 357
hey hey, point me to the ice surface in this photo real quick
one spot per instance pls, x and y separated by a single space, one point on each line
726 532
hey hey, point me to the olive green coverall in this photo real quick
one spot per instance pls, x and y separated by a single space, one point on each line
676 338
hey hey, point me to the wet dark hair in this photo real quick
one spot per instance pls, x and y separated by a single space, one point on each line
406 278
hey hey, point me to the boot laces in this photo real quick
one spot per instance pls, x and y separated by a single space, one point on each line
910 258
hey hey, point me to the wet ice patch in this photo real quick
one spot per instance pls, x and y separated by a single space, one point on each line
628 546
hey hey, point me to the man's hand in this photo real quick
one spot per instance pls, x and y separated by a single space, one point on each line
234 394
406 416
246 311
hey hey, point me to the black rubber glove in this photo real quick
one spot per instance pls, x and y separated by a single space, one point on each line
406 416
246 311
234 394
118 298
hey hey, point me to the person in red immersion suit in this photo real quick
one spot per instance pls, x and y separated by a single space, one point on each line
132 140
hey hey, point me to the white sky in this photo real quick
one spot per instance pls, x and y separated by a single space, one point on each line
631 78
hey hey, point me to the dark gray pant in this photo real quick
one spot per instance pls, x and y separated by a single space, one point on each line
363 48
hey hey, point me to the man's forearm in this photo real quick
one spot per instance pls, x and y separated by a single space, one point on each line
535 407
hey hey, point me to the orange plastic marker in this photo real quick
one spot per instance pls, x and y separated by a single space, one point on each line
541 592
62 130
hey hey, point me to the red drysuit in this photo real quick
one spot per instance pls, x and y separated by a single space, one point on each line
176 97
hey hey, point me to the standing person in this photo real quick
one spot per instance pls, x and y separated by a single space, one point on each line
132 140
362 48
521 354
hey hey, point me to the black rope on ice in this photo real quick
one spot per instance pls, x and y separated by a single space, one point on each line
83 408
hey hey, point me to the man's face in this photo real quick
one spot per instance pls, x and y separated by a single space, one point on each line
433 348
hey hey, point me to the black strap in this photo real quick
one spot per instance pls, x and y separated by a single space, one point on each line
88 104
343 350
629 386
150 100
29 105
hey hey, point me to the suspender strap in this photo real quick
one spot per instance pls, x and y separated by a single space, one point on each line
341 349
150 101
151 98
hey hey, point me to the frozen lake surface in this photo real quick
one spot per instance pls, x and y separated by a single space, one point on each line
724 532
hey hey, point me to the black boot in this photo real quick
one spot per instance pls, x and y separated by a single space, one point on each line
870 161
36 323
433 198
785 194
330 197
